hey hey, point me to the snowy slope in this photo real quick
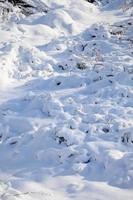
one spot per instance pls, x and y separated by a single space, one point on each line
66 106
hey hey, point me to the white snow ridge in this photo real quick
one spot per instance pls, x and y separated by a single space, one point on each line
66 100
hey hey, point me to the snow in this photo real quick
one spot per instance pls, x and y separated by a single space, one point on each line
66 109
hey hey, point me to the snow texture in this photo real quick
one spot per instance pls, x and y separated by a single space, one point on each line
66 102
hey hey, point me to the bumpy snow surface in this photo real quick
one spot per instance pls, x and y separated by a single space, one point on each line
66 102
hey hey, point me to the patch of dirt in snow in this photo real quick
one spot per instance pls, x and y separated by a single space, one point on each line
66 109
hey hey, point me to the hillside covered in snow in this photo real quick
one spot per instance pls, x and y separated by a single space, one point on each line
66 100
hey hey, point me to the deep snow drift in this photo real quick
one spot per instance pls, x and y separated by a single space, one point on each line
66 106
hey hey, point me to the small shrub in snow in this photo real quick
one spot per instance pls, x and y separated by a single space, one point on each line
81 65
69 136
91 1
105 130
26 7
127 138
